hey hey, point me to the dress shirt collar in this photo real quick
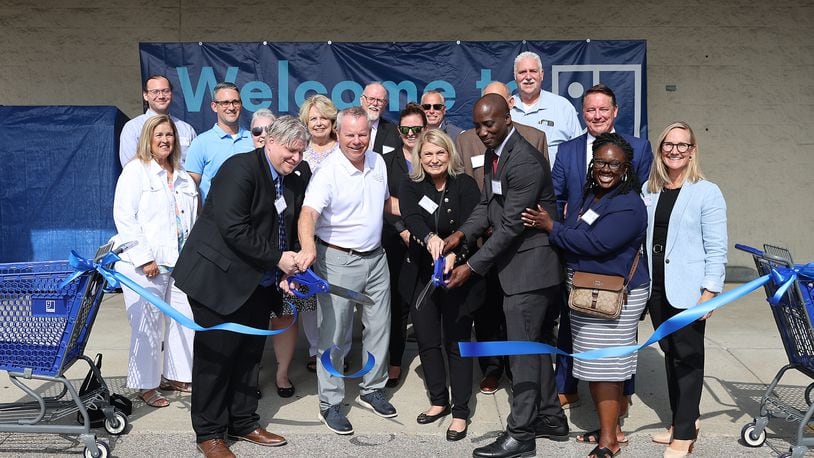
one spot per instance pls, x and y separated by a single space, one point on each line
499 149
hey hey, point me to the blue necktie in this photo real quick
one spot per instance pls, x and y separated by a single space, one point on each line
278 185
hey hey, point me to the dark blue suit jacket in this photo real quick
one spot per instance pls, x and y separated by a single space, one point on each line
570 167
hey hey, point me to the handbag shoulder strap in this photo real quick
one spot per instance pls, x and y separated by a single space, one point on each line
633 267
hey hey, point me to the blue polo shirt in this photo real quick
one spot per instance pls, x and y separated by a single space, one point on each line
554 115
209 151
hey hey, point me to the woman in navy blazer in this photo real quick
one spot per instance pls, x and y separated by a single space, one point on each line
603 234
686 248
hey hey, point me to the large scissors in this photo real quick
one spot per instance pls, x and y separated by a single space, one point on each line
316 285
438 279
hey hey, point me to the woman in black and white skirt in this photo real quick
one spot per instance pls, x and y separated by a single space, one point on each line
604 236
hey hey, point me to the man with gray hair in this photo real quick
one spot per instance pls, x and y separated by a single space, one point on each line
340 231
261 122
225 139
230 268
543 110
384 136
435 108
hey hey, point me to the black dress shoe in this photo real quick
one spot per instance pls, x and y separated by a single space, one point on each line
424 419
505 447
392 382
453 436
286 392
551 427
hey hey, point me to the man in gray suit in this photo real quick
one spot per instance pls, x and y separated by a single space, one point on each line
516 177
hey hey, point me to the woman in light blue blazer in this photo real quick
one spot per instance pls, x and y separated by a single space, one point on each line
686 250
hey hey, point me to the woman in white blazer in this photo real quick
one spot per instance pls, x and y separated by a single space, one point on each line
686 251
156 203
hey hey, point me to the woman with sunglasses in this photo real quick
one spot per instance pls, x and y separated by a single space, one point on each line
686 246
396 237
604 236
436 199
261 121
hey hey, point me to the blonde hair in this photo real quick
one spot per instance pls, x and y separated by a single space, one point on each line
144 150
658 172
437 137
324 106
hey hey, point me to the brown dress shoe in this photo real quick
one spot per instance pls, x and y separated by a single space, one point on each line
261 437
215 448
489 385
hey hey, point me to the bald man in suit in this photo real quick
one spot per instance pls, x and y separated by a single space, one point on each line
490 324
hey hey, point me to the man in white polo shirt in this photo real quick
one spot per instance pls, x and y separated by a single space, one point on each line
344 207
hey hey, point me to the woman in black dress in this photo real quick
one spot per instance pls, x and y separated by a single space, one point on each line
434 202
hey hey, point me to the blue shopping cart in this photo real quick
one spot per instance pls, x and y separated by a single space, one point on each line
43 332
792 314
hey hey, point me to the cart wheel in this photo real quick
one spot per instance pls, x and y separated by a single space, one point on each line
749 438
809 389
117 424
785 455
104 450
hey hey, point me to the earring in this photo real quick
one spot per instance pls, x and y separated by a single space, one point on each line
624 177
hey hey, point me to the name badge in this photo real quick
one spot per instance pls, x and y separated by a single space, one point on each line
477 161
648 201
497 187
280 204
387 149
589 216
428 204
184 141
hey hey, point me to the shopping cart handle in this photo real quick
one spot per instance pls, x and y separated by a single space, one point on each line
749 249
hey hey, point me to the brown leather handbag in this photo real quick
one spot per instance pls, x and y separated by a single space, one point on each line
600 296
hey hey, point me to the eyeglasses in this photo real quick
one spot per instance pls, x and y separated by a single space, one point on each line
405 130
667 147
374 100
434 106
258 131
226 103
600 164
157 92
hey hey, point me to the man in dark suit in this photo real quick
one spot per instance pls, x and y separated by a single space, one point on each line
490 324
517 177
237 252
570 170
384 135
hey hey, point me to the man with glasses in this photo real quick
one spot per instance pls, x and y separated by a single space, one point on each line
383 134
432 102
543 110
225 139
157 94
599 110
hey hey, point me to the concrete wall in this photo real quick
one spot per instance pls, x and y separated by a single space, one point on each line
742 69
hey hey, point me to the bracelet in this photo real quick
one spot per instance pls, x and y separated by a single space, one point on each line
428 237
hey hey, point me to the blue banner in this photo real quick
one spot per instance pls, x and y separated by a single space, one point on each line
280 76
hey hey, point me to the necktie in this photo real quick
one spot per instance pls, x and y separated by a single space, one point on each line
278 185
495 159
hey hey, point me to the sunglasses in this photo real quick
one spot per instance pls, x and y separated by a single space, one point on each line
405 130
434 106
258 131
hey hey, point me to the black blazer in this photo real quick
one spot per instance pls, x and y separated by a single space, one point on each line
396 174
523 256
455 205
387 135
235 240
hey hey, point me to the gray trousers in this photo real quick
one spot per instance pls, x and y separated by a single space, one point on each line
534 393
366 274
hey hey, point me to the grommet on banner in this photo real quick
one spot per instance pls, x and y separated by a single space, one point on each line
265 43
524 41
330 42
588 40
200 43
457 42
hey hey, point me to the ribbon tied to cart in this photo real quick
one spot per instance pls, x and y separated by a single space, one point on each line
784 277
116 279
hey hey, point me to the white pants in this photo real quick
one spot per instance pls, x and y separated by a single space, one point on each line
149 328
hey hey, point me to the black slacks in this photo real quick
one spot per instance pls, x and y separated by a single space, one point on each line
225 365
490 325
684 362
396 251
442 321
534 392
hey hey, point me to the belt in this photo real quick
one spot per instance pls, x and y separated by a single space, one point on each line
658 248
348 250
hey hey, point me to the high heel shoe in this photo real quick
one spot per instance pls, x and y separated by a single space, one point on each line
671 452
666 437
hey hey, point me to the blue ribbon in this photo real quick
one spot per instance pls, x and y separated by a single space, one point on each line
329 367
785 277
116 279
688 316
